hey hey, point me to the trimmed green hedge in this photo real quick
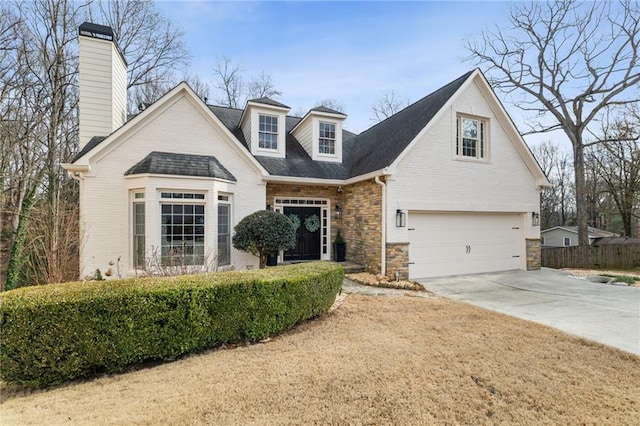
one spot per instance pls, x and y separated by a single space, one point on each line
59 332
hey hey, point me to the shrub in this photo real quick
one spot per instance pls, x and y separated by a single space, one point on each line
60 332
264 233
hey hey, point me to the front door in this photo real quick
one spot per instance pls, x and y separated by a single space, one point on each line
307 221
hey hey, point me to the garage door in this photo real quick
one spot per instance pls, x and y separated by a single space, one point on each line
444 244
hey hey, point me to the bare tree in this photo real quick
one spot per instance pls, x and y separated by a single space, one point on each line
229 82
198 85
39 130
152 44
557 202
388 105
565 62
43 129
262 87
232 87
617 163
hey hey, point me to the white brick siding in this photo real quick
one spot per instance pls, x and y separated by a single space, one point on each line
431 178
180 126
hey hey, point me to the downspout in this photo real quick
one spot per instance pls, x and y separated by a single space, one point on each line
383 230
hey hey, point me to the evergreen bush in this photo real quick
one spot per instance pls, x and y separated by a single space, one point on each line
264 233
58 332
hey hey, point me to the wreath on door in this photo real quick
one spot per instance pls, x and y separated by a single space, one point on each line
296 221
312 223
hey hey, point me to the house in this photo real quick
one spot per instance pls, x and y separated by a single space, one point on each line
566 236
446 186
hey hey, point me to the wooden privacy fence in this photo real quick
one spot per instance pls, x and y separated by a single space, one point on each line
612 256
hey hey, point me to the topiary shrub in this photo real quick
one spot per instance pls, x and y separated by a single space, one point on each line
264 233
59 332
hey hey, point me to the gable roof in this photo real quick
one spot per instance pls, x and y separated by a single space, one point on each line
93 142
372 151
169 163
321 108
379 146
297 162
268 101
100 145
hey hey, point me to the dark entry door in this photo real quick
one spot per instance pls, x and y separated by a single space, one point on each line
309 223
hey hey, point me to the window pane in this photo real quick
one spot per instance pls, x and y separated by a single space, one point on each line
138 235
469 128
224 235
182 243
468 147
327 140
268 132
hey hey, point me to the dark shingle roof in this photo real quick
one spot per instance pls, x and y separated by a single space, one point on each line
93 142
380 145
268 101
327 110
169 163
371 150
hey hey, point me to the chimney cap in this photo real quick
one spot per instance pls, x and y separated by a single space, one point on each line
97 31
101 32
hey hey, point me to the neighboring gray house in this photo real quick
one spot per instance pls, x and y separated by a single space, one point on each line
566 236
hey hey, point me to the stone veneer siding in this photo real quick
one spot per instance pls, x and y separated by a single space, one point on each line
361 225
361 221
398 260
533 254
309 191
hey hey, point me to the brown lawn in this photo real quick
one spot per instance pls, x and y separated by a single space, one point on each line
374 360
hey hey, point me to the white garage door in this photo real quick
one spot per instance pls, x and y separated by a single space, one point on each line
444 244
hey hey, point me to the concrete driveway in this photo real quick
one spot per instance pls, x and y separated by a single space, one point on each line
605 313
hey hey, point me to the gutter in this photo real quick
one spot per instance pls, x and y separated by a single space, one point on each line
76 170
321 181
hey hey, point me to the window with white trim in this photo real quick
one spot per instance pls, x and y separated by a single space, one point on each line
327 139
567 241
471 137
268 132
139 249
182 228
224 230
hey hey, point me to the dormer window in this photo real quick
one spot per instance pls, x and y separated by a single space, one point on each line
327 140
268 132
263 124
320 134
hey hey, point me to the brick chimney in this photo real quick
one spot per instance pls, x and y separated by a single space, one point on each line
103 82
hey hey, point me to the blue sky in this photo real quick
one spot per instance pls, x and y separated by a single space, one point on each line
353 52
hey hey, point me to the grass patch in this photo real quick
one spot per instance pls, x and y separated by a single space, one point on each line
627 279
